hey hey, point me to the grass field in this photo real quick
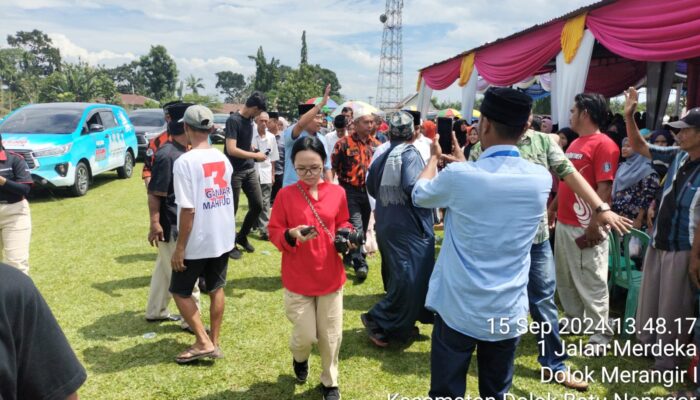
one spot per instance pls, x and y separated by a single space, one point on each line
91 260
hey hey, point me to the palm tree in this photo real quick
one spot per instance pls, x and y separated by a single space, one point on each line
193 83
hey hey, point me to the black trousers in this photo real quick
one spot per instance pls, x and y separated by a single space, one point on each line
250 183
276 187
451 354
360 210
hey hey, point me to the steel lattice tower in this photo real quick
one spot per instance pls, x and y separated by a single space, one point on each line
390 82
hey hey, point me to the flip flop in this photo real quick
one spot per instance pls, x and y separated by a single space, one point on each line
193 356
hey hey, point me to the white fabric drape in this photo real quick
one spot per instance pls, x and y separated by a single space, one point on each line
553 92
424 95
469 95
571 78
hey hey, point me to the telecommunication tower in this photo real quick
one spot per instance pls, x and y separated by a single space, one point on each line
390 82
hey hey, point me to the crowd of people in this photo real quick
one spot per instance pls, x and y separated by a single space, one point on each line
510 186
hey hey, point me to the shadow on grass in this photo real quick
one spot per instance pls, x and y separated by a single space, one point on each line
395 359
48 194
103 360
110 287
133 258
282 389
258 283
125 324
360 302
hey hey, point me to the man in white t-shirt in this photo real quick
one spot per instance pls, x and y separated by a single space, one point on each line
205 208
266 143
421 142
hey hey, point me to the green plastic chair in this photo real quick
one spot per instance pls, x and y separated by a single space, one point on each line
624 275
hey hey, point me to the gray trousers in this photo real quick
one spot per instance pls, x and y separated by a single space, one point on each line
666 294
266 189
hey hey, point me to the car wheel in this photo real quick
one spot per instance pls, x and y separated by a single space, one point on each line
82 180
125 171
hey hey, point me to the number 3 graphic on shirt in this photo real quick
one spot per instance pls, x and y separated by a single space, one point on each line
217 171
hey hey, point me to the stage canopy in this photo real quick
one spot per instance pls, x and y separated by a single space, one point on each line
605 48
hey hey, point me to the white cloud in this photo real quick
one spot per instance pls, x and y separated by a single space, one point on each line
71 50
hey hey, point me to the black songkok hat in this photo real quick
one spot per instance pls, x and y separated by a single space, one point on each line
176 112
273 114
304 108
416 117
507 106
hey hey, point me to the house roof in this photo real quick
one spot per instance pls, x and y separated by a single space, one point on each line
133 99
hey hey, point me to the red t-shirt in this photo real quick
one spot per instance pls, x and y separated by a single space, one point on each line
312 268
595 157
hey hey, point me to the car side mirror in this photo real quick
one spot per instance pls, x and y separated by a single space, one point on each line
96 128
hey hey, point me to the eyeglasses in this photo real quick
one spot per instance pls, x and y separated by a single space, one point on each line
308 171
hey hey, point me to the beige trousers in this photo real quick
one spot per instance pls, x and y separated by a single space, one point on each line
666 297
582 276
15 234
316 320
159 296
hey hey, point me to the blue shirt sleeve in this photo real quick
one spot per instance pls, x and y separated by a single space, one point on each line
434 193
665 154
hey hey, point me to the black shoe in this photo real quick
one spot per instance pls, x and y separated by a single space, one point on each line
264 236
171 317
301 370
330 393
243 242
235 254
374 332
361 273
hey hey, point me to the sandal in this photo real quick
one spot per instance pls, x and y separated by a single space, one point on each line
189 355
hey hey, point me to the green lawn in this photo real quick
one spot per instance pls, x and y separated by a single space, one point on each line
91 260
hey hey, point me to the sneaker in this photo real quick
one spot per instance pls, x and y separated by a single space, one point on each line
243 242
235 254
330 393
301 370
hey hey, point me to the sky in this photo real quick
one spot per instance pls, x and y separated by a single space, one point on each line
207 36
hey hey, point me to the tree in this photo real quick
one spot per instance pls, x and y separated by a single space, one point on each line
159 73
301 84
304 50
128 78
40 58
265 73
542 106
194 83
442 105
230 84
78 82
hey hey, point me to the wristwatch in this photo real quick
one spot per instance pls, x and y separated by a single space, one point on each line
603 207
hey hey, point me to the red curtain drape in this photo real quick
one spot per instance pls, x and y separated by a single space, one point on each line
648 30
611 78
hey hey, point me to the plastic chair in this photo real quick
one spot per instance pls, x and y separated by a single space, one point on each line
623 275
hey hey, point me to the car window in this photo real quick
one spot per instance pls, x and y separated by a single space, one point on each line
147 119
42 120
93 119
107 119
220 119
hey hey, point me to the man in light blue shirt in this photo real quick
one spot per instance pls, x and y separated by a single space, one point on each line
478 289
309 124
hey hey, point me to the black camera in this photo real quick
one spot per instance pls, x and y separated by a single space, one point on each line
344 237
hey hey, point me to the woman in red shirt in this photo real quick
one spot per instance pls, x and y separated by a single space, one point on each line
312 271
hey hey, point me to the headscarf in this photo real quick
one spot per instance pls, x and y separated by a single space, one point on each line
570 136
390 191
631 171
429 129
670 141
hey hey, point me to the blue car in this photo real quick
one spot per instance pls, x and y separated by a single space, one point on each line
66 144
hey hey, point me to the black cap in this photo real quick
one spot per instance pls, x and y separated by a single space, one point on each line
304 108
507 106
691 120
273 114
168 104
340 121
176 112
416 117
